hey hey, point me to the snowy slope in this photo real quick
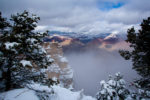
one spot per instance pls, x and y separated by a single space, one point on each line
19 94
113 36
59 94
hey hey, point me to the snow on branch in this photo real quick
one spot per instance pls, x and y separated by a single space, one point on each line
9 45
25 63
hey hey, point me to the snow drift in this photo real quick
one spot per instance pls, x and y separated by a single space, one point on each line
60 93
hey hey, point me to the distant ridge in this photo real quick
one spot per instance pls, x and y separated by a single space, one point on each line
71 41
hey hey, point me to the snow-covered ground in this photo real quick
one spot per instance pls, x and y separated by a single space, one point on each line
59 94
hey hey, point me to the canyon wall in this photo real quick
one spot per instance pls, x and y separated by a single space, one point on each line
60 68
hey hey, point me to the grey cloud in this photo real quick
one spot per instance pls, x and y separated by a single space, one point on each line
138 5
81 16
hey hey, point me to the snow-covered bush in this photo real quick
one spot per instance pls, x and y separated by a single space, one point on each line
142 93
113 89
42 92
116 89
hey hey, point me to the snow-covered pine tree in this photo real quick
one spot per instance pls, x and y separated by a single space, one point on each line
3 23
140 55
3 30
23 59
113 89
140 94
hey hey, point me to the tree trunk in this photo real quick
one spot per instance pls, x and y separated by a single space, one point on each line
8 80
8 75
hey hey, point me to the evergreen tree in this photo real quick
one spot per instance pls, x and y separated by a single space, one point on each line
3 23
140 53
113 89
23 60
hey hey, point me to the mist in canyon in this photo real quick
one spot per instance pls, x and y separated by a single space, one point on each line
90 67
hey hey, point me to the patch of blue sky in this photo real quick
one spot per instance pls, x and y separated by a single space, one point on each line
105 6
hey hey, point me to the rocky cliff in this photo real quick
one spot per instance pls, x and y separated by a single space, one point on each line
60 68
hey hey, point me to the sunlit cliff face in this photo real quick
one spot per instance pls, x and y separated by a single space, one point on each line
60 68
66 42
113 47
63 40
111 43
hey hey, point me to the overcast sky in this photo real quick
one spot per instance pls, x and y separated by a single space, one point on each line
82 16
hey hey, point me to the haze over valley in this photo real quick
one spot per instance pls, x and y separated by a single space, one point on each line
94 58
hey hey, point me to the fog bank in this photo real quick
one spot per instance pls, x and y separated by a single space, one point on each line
93 66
